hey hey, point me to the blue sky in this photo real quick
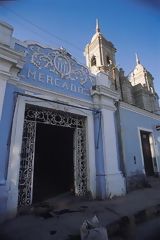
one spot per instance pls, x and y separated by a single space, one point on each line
131 25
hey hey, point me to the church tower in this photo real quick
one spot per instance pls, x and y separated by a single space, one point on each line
143 88
138 89
141 76
100 53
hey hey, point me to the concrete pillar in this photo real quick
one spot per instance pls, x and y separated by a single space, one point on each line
104 99
5 38
99 156
6 32
2 93
10 64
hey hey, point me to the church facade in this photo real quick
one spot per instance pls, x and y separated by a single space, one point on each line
137 111
69 128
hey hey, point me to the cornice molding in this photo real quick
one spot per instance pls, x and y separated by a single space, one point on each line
105 92
139 111
11 56
4 75
51 94
10 51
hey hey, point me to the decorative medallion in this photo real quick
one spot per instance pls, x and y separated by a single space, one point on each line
62 65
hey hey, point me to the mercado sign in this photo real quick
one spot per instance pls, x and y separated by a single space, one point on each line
56 70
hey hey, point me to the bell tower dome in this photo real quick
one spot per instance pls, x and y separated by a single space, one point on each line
140 75
99 53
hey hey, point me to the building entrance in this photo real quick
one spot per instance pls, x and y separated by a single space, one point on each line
53 155
53 164
146 147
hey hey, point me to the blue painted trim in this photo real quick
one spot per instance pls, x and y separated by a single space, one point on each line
53 101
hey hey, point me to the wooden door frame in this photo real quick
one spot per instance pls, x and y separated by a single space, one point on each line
152 148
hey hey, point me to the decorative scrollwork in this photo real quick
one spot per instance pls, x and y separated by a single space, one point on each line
34 114
60 62
26 165
53 117
80 163
40 60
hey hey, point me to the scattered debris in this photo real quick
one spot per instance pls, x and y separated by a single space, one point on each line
91 229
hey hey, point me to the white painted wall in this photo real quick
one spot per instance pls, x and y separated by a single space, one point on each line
2 93
6 31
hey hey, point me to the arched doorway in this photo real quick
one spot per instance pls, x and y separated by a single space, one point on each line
53 156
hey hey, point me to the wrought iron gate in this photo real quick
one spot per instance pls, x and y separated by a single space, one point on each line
34 114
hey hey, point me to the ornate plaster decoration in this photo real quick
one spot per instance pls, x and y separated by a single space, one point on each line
60 62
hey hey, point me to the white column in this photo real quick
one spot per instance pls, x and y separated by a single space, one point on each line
14 159
2 93
115 182
104 99
109 137
91 156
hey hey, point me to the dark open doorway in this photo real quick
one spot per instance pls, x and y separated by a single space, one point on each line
146 147
53 165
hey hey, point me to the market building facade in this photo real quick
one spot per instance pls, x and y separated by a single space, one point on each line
64 127
55 123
